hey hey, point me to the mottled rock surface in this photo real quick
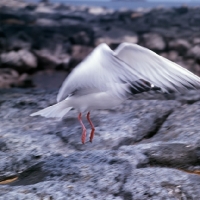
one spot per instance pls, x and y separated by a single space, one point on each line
147 148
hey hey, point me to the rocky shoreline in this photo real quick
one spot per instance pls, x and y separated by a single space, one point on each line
147 148
54 37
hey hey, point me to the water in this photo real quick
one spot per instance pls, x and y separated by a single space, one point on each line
128 4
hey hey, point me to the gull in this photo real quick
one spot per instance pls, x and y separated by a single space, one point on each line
107 78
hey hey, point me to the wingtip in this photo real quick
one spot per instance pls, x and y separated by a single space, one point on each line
33 114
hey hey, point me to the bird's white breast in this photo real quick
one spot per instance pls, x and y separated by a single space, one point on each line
93 101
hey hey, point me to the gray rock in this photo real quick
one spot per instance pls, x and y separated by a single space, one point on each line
43 8
99 11
181 125
11 78
81 38
3 146
43 79
49 60
16 44
161 183
22 59
45 158
162 30
194 52
46 22
173 55
28 59
196 41
181 155
180 45
19 41
13 3
153 41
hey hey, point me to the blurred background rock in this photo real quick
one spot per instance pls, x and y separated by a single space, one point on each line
41 43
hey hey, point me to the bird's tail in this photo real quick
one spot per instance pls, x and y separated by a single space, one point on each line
58 110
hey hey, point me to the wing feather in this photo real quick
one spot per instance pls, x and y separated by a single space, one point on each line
127 69
159 71
100 71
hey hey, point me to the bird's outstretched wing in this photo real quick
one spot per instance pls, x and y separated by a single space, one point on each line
129 69
102 71
159 71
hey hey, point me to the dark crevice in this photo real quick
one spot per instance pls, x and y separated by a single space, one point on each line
174 155
159 122
32 175
127 196
124 142
188 102
122 193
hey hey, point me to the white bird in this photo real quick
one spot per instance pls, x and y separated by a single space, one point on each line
106 78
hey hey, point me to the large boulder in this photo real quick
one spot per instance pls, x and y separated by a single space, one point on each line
153 41
49 60
194 52
45 158
11 78
22 60
180 45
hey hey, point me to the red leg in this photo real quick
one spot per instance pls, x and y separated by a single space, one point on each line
92 126
83 128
